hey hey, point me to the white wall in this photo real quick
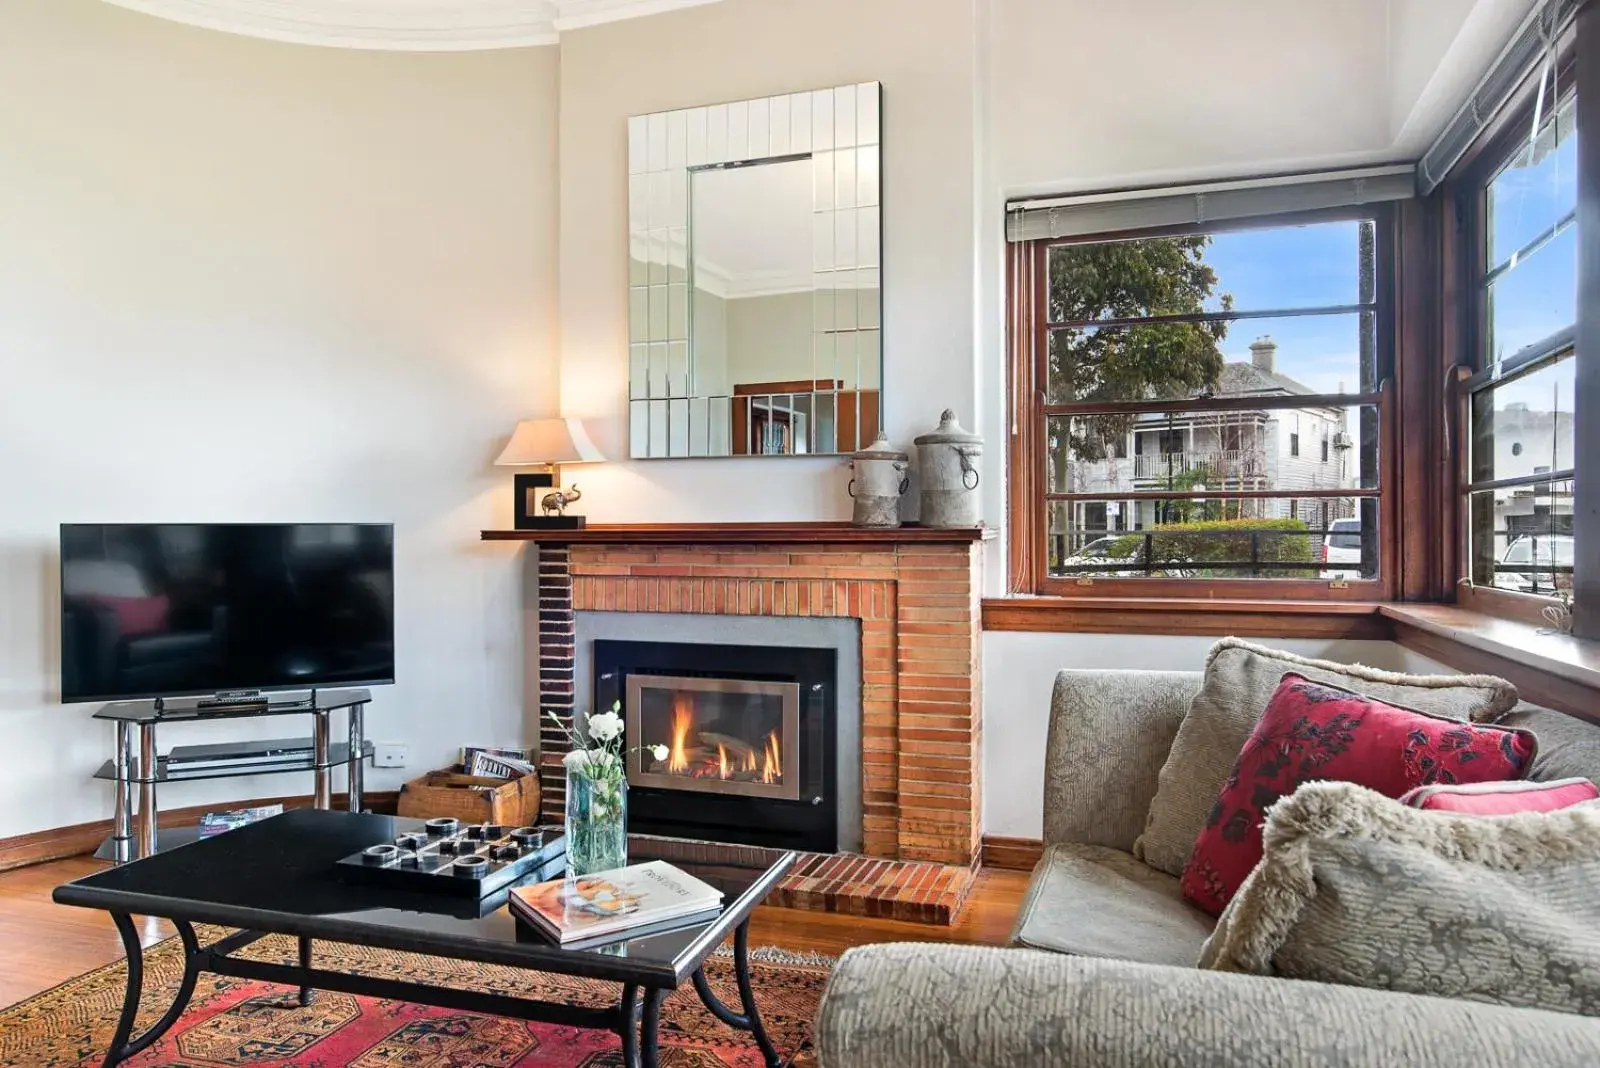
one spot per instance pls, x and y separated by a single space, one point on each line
922 51
769 340
1020 670
251 281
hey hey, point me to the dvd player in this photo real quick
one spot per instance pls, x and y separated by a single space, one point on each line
234 754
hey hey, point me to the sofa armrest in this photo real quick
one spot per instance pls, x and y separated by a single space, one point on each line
936 1006
1110 732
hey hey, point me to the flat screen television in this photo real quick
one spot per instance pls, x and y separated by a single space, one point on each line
193 609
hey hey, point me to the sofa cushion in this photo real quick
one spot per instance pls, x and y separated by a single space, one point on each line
1110 732
1312 731
1359 889
1094 901
1568 746
1501 798
1239 681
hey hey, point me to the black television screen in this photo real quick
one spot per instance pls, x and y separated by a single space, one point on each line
173 609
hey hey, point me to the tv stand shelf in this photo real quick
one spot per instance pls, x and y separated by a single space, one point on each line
134 834
338 753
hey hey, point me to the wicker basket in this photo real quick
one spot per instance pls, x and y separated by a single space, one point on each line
472 799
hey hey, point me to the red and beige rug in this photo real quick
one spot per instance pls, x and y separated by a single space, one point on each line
234 1022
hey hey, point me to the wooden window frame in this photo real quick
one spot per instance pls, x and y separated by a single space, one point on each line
1464 200
1028 315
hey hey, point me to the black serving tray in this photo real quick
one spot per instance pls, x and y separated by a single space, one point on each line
433 866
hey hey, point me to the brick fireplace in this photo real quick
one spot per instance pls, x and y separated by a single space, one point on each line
914 592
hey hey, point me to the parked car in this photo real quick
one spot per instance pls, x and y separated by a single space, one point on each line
1341 550
1099 557
1547 559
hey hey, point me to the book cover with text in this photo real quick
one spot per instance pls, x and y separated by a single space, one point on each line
607 902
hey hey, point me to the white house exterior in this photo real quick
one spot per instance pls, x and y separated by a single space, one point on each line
1245 449
1528 441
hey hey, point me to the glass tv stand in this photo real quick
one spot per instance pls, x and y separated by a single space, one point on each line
134 832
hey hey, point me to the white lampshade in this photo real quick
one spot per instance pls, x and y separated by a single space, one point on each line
548 441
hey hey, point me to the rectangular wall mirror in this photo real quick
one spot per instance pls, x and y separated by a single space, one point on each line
755 277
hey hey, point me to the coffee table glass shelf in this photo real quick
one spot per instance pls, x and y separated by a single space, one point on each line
280 876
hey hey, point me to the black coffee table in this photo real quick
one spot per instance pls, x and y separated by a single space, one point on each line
279 877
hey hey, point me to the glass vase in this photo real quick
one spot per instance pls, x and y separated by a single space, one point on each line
597 822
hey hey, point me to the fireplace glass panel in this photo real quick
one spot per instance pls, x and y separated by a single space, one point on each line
725 736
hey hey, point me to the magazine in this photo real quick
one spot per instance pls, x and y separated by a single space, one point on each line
506 762
589 907
485 766
214 823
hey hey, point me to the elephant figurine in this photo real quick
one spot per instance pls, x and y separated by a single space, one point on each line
554 504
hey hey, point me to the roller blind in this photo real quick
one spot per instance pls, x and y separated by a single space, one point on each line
1540 31
1137 209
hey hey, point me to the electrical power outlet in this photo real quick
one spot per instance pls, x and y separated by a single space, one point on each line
389 755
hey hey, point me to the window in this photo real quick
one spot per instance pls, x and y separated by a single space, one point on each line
1324 447
1521 402
1208 344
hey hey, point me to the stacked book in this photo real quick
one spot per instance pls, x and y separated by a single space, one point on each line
631 902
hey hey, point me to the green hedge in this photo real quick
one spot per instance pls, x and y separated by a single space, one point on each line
1173 546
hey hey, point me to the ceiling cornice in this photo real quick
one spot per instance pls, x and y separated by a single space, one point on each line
403 25
576 14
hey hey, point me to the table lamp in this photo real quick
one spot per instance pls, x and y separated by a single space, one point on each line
548 443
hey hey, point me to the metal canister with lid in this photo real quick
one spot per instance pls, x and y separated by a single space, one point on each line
948 465
880 481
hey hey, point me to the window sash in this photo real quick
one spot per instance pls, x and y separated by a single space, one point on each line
1030 500
1473 187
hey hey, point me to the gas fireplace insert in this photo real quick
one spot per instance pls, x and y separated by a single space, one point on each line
749 736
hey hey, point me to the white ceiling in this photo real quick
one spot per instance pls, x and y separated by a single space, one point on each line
752 229
404 25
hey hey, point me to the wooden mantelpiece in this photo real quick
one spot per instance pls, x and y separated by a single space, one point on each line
745 534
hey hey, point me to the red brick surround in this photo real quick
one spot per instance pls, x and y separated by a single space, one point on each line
917 600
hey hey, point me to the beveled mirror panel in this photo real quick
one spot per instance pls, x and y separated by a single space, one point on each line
755 277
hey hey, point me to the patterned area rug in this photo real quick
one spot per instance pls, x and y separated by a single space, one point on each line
233 1022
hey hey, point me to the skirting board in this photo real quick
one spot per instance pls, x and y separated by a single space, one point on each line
83 838
1011 854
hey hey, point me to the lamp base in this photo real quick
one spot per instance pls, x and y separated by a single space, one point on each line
530 490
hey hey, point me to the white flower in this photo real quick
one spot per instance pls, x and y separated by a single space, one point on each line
602 759
660 752
605 727
576 759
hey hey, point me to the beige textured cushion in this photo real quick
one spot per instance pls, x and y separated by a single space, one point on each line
1359 889
1094 901
1569 748
1239 681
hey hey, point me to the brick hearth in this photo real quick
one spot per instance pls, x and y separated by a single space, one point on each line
916 594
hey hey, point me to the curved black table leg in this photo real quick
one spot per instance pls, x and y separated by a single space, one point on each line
741 972
627 1024
649 1046
123 1045
750 1019
306 993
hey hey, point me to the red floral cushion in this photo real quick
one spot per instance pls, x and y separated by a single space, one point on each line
1311 731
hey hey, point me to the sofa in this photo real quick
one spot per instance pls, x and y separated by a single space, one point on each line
1102 971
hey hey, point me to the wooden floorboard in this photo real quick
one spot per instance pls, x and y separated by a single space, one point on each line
42 943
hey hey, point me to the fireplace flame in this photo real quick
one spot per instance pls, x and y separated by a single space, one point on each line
682 723
772 763
690 751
